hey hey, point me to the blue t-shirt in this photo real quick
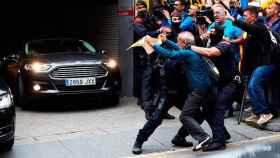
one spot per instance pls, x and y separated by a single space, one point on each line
186 24
230 31
196 71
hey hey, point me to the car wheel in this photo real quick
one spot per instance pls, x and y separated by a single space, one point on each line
21 97
7 145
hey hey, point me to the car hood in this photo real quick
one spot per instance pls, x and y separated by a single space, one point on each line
60 58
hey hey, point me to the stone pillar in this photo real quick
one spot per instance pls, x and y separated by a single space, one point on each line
126 38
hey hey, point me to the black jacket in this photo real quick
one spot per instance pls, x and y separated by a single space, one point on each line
258 41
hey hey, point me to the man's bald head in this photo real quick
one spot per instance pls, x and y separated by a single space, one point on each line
219 13
185 39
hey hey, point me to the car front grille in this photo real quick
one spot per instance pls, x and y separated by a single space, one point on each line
78 71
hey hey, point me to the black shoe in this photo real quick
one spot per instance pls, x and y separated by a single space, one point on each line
169 117
137 148
214 146
203 143
181 141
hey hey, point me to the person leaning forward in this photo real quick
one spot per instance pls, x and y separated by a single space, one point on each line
200 86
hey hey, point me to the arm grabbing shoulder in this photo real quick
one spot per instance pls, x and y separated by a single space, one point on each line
208 52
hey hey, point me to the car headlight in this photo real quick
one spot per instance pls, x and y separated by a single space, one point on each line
5 101
111 64
37 67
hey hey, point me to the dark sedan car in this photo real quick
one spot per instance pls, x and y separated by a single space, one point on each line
7 117
68 67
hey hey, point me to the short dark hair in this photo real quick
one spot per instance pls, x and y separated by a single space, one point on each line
252 9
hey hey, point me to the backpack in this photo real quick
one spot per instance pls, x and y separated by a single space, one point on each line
274 47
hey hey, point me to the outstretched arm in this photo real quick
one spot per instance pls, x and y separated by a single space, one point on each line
171 53
208 52
171 45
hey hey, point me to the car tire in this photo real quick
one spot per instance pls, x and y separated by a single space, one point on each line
22 99
7 146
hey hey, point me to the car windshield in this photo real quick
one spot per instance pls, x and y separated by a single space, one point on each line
58 46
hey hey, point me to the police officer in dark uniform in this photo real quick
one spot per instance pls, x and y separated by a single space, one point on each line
144 64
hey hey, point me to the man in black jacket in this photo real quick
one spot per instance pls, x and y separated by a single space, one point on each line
145 73
257 64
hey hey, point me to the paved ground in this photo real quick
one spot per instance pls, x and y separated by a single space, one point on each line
107 132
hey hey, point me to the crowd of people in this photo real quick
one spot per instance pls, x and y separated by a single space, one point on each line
212 55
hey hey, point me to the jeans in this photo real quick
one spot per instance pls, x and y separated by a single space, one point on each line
257 88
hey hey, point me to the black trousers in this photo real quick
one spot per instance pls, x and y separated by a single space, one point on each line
192 115
215 112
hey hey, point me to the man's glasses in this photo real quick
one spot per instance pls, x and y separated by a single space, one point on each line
176 4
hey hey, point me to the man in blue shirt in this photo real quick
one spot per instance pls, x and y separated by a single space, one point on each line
200 87
199 83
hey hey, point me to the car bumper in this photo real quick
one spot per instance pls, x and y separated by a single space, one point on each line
102 91
51 87
7 117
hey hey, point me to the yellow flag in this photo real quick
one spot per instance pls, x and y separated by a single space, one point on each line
143 43
148 4
138 43
266 3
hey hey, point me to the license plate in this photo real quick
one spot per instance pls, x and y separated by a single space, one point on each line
80 81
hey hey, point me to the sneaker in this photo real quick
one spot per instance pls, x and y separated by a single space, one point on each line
214 146
137 148
204 142
181 141
252 118
264 118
